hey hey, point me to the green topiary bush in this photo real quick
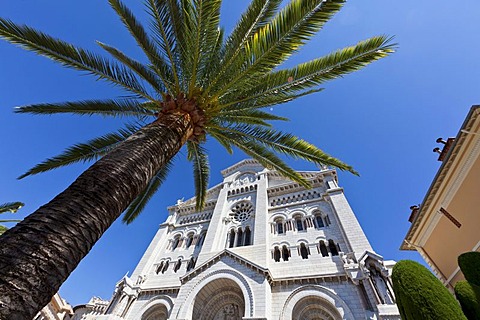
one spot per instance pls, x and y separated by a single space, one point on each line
421 296
469 296
469 263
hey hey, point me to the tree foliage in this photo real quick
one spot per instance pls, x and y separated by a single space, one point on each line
468 292
420 295
10 207
224 83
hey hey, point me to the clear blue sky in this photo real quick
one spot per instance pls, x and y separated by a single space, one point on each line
383 120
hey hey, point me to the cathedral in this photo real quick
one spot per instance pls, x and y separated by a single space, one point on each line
263 247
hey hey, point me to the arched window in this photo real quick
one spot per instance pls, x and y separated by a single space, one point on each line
332 247
159 268
176 240
299 224
239 237
165 267
189 240
231 240
279 226
323 249
177 265
304 251
248 237
276 254
191 264
285 253
201 239
319 221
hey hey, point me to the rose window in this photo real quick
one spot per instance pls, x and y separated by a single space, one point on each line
242 211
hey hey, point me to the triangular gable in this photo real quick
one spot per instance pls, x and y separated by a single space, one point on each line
369 254
248 164
216 258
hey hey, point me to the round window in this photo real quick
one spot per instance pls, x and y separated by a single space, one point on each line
242 211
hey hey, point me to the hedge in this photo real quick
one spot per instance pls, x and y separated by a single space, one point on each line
469 263
469 296
421 296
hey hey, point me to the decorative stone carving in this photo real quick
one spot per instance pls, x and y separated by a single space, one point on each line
244 179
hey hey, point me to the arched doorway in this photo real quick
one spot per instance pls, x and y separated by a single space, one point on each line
157 312
221 299
314 308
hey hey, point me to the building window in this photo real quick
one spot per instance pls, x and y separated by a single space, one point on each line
177 265
323 249
201 239
165 267
231 240
304 251
189 241
248 237
191 264
276 254
332 247
299 222
175 243
280 227
239 237
319 221
242 211
159 268
285 253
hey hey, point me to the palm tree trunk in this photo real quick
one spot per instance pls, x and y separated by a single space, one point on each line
39 253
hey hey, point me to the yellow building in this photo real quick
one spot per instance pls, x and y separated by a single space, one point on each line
447 223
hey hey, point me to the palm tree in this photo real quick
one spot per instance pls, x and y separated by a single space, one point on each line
197 84
11 207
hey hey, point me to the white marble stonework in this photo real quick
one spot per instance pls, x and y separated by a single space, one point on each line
263 247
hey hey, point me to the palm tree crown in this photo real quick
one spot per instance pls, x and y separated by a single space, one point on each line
221 84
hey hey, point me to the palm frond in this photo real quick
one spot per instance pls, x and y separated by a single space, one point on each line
164 31
257 15
137 206
83 152
144 72
224 142
200 25
160 66
276 41
115 108
212 58
258 152
332 66
248 116
11 207
289 145
262 101
71 56
201 172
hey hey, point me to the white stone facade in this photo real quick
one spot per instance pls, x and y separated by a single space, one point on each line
262 248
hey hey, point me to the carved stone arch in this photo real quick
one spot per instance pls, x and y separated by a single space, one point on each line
285 243
302 240
298 212
315 302
186 310
178 233
278 215
158 307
